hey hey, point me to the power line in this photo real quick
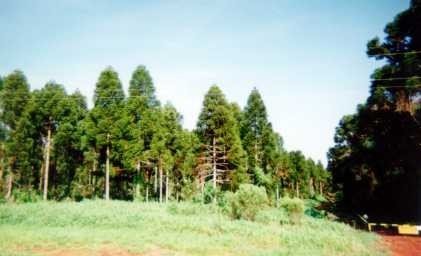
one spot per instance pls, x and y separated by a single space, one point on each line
394 53
142 96
395 78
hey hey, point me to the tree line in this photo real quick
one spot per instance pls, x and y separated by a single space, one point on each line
376 160
135 148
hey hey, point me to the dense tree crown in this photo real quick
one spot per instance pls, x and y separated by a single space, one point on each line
134 148
375 160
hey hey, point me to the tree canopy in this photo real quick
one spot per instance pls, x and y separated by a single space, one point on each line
375 160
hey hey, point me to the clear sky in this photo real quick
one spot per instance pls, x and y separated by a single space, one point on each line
307 58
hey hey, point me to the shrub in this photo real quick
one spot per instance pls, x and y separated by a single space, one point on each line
294 208
209 193
247 201
26 196
224 201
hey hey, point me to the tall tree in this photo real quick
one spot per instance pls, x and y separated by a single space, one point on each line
259 140
14 97
47 114
223 157
105 130
375 158
141 109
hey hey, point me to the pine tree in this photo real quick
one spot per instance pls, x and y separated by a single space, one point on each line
260 141
67 153
105 129
14 98
52 120
375 160
222 157
141 85
140 110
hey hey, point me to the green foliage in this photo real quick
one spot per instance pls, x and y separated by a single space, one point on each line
14 98
294 207
217 123
144 139
375 160
141 85
247 201
26 196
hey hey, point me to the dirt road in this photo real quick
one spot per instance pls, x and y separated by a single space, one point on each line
403 245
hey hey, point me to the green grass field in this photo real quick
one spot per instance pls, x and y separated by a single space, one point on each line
126 228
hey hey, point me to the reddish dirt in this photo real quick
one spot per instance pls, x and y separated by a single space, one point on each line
403 245
105 251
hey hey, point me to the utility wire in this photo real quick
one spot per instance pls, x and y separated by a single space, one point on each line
395 78
394 53
141 96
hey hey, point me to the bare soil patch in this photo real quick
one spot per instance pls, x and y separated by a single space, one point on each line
403 245
104 251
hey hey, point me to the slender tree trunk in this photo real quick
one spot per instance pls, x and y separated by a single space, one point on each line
47 163
9 185
277 195
297 187
214 162
311 187
167 188
155 182
160 179
138 180
41 176
147 192
321 188
255 153
107 170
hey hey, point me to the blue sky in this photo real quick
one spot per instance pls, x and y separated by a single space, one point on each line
307 58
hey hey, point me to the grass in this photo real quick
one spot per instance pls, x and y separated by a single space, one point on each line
173 229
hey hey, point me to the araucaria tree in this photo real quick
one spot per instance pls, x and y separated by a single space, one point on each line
105 130
222 158
376 158
260 142
14 98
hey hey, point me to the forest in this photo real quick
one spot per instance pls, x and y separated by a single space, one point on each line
123 176
135 148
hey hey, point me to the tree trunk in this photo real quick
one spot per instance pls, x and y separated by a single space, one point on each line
321 188
147 192
277 195
47 163
214 163
41 177
9 185
297 187
155 182
107 171
167 188
311 187
137 193
160 180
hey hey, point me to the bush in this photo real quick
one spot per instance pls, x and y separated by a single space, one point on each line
26 196
209 193
294 208
247 201
189 209
224 200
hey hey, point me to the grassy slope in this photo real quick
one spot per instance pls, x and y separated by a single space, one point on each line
182 229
